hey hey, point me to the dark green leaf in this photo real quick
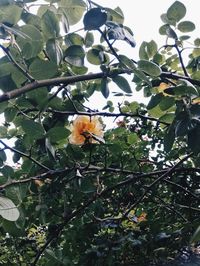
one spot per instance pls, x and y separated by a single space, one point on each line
56 134
155 100
75 55
171 33
73 9
89 39
149 67
3 132
176 11
194 140
10 114
104 87
42 69
54 51
10 15
186 26
33 44
182 90
169 138
50 25
94 19
97 56
127 61
196 236
33 129
122 83
115 15
74 39
166 103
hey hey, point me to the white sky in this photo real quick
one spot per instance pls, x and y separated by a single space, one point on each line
143 17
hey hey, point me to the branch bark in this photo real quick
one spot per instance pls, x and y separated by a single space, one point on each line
73 79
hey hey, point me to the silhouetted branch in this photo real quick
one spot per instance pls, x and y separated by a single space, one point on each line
21 69
24 155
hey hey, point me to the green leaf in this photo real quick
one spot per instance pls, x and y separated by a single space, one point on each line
6 2
3 132
38 97
194 140
54 51
10 114
166 103
8 210
171 33
143 51
176 11
31 19
56 134
50 25
94 19
154 101
196 236
74 39
149 67
10 15
139 74
42 69
87 185
97 56
166 20
182 127
33 44
89 39
133 139
115 15
168 118
127 61
33 129
122 83
169 138
50 147
73 9
152 48
104 87
148 50
182 90
197 42
75 55
186 26
117 32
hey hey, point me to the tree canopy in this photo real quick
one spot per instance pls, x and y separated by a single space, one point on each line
78 192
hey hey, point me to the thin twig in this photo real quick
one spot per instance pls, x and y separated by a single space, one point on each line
21 69
24 155
107 114
162 177
181 60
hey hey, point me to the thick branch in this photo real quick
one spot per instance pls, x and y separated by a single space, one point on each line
73 79
48 82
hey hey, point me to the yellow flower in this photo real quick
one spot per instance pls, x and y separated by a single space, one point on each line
86 129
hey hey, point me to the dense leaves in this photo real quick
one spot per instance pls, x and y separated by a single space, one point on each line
83 184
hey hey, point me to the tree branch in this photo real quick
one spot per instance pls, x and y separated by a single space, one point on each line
24 155
21 69
73 79
96 113
162 177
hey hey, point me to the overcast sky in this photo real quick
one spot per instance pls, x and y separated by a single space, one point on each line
143 17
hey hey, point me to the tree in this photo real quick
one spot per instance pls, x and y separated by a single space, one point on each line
80 194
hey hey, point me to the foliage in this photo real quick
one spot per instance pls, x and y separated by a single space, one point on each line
125 196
